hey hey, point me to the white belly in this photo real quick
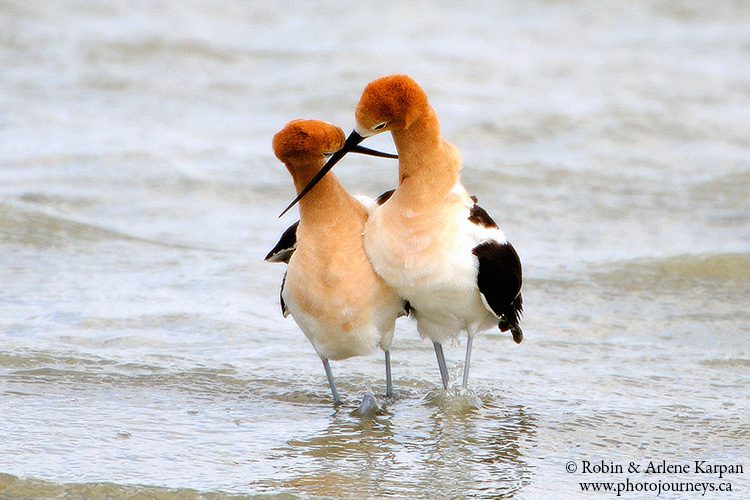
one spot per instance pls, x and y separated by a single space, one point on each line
443 313
346 323
428 261
331 339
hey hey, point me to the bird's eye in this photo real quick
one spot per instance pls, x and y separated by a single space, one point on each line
379 126
327 155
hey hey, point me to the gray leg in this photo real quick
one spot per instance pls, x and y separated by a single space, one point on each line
388 379
441 363
331 382
467 362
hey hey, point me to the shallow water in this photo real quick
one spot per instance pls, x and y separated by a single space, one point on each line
142 350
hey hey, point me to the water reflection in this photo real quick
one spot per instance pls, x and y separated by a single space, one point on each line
440 445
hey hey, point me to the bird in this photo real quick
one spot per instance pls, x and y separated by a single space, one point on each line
430 240
330 288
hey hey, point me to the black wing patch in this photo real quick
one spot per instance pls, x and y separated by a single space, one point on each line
384 197
480 217
499 280
286 246
284 310
407 308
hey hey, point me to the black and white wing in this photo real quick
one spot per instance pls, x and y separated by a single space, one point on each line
500 276
282 252
286 246
284 310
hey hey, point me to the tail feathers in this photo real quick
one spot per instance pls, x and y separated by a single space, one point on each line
510 319
515 330
517 334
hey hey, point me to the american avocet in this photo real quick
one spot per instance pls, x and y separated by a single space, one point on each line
430 241
330 287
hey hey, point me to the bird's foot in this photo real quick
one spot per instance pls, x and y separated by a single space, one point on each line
369 407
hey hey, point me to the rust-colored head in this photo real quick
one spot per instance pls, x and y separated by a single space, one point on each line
305 145
390 103
307 141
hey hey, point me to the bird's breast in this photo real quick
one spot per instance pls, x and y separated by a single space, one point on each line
420 250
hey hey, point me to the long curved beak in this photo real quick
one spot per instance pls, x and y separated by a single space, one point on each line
372 152
350 146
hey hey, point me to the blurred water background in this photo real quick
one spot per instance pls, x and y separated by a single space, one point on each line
142 350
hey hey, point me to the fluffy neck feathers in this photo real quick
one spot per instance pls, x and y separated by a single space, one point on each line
328 201
428 166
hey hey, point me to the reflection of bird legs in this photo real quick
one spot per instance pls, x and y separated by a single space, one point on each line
467 362
388 380
331 382
441 363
